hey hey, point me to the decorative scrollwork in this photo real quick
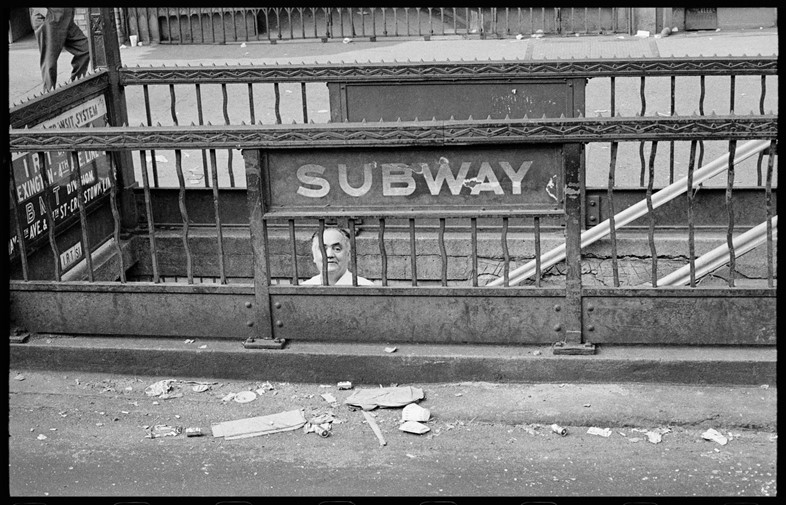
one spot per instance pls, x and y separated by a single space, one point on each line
402 71
564 130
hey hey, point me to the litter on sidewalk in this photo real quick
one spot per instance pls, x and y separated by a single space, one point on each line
260 425
559 430
371 422
369 399
715 436
414 427
163 430
245 397
414 412
604 432
159 388
344 385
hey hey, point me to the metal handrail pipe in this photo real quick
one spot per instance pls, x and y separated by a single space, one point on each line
719 256
634 212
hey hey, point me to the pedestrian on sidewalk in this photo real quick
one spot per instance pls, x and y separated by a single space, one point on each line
55 30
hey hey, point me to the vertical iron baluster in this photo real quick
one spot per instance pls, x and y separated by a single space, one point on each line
613 96
468 18
612 226
230 170
641 146
474 237
732 79
382 251
763 93
205 174
150 123
341 22
384 21
188 20
181 200
314 18
354 255
201 26
412 254
671 142
758 167
212 28
80 200
223 29
702 93
20 236
278 102
537 251
219 231
179 24
455 29
543 20
768 203
373 24
507 21
168 23
730 210
443 253
267 23
293 241
761 111
442 20
643 97
305 103
251 115
691 194
289 17
651 213
321 242
113 190
642 160
172 101
150 227
505 252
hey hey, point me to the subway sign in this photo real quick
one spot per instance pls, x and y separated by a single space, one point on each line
520 178
33 196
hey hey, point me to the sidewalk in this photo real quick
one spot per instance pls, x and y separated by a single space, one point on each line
24 77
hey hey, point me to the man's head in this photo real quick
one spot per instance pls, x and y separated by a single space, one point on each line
337 250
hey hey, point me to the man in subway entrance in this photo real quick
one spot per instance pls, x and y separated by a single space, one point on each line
337 252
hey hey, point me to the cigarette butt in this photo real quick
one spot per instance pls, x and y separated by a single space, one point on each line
371 422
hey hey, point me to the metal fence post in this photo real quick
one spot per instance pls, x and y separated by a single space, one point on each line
572 315
255 182
105 52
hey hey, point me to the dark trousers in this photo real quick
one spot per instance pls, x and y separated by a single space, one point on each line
55 30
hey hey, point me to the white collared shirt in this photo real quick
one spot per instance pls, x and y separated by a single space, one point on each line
345 280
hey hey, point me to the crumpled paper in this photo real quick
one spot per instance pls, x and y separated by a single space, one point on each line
369 399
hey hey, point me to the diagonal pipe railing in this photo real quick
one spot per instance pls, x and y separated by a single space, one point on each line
719 256
636 211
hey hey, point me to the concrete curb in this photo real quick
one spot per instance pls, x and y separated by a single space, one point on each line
369 364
